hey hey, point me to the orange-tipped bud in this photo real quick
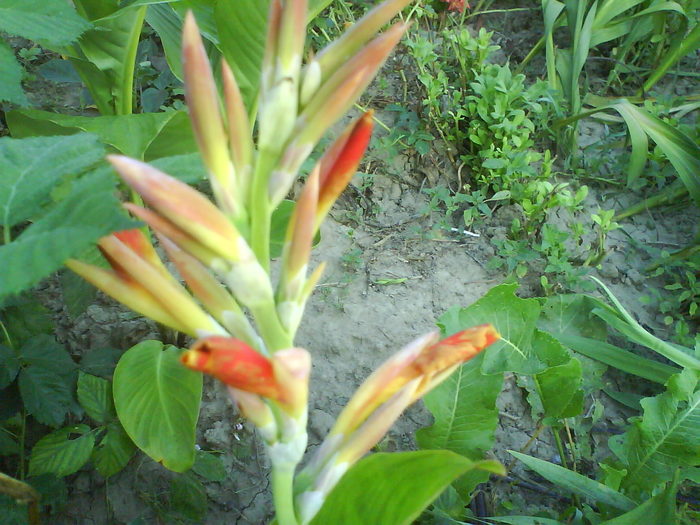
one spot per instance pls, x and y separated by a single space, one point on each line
340 162
239 134
396 384
235 364
203 103
338 52
181 205
141 282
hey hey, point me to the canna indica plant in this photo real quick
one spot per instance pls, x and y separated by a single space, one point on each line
243 320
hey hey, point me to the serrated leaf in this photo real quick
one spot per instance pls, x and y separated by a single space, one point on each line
392 489
465 416
8 446
46 395
571 314
209 466
44 351
95 396
24 317
157 400
100 361
131 135
114 451
11 73
89 212
576 483
661 508
188 497
666 437
32 167
36 20
60 455
514 318
9 366
78 294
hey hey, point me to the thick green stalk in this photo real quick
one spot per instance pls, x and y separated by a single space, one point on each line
260 212
125 98
283 494
270 329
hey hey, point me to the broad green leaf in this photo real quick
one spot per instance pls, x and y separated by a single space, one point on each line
559 388
100 361
168 25
9 366
114 451
44 351
37 20
393 489
131 135
514 318
47 395
59 454
95 9
25 317
661 508
95 396
571 314
175 138
666 437
619 358
465 416
157 401
111 47
188 168
89 212
188 497
32 167
11 73
8 446
241 26
209 466
524 520
573 482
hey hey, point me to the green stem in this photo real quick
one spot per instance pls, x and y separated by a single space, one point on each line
283 495
22 439
260 212
125 100
270 328
564 462
6 234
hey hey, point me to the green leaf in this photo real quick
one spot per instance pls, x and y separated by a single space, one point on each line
514 318
658 509
105 59
11 73
37 20
157 401
89 212
8 446
571 314
209 466
619 358
24 317
188 498
9 366
465 416
47 395
559 388
524 520
187 168
32 167
95 396
100 361
573 482
78 294
278 227
131 135
47 380
114 451
60 455
241 26
666 437
393 489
